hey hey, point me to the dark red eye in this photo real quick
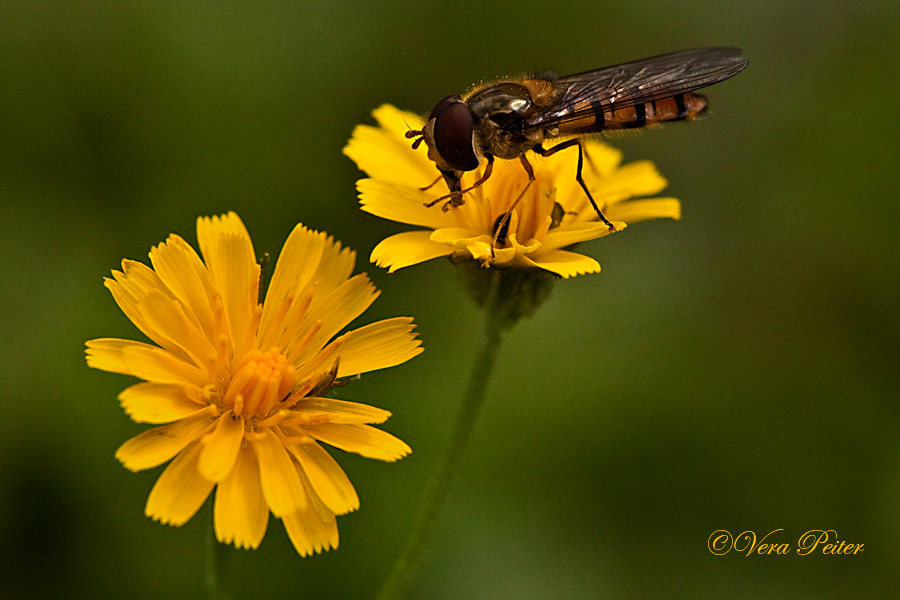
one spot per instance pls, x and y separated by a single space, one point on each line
453 133
442 106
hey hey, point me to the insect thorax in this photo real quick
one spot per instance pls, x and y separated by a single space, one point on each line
500 111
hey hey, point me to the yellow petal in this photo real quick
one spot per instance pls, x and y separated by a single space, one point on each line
296 266
498 256
228 253
360 439
155 446
184 274
609 183
526 248
155 364
379 345
340 307
159 402
293 303
220 446
313 528
331 267
633 211
279 476
338 411
180 490
178 334
326 477
638 178
459 237
237 278
566 235
564 263
334 268
241 513
129 286
143 361
405 249
404 203
211 229
386 153
106 354
602 158
397 122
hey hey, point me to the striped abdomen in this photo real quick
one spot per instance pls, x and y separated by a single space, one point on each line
604 116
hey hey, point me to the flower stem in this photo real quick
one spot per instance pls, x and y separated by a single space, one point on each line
215 555
495 322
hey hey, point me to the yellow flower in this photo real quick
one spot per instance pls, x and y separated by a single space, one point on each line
238 387
553 214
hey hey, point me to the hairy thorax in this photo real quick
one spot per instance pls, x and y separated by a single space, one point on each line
500 113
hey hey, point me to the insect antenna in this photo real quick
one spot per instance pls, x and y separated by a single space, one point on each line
411 133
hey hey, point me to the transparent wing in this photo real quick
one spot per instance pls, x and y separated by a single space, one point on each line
638 82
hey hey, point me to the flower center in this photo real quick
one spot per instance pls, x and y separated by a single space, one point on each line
259 382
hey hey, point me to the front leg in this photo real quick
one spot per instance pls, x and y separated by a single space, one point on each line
454 183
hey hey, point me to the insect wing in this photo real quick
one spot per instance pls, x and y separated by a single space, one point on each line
629 84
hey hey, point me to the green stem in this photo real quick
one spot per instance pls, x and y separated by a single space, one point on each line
405 564
215 555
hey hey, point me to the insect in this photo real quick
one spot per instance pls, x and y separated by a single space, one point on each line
506 119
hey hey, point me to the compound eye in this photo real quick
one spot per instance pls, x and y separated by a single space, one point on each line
442 106
454 133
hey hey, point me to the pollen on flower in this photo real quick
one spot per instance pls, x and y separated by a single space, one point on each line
261 379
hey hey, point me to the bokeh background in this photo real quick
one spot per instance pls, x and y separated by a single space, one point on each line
736 370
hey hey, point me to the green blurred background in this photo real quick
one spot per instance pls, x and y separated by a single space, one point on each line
736 370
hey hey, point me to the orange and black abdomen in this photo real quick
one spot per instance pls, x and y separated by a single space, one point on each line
604 116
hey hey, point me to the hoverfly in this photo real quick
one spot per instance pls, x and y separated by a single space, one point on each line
508 118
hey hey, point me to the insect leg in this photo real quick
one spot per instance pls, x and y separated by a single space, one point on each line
432 184
568 144
455 195
501 226
527 166
454 183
